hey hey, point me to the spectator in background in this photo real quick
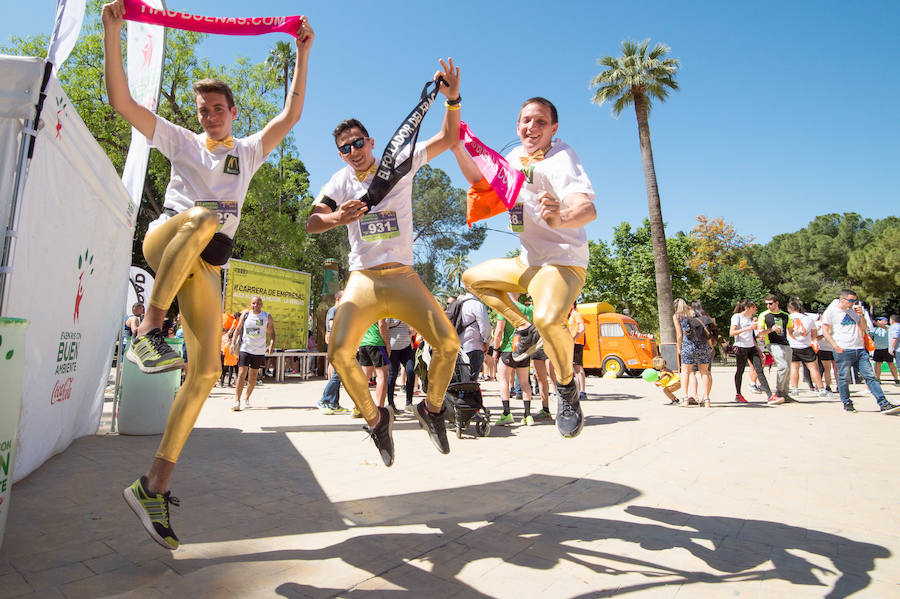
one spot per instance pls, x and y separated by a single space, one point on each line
133 321
825 356
400 342
774 327
800 339
476 334
844 325
712 332
576 329
691 351
881 338
894 340
743 329
374 355
329 403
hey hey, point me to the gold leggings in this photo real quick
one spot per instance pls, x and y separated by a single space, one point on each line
395 292
553 289
173 251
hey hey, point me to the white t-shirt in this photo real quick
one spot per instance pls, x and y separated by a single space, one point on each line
560 174
253 340
385 233
823 342
217 180
844 330
804 329
744 339
398 334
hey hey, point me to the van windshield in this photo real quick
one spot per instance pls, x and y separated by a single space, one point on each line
633 331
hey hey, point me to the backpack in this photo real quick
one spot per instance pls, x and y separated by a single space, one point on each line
697 331
454 313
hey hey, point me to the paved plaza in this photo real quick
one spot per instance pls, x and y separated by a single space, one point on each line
799 500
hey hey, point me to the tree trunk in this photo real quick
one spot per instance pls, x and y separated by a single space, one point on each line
664 298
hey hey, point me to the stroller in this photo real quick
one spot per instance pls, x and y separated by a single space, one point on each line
462 401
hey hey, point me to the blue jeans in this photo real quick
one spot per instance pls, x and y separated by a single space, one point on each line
332 393
845 361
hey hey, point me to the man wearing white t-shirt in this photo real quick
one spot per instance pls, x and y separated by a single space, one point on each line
186 245
800 339
382 282
257 338
552 209
843 326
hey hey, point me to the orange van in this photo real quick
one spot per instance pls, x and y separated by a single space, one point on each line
614 342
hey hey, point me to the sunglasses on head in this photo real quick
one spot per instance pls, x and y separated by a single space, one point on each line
357 143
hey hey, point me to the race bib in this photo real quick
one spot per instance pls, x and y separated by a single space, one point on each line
376 226
254 330
226 210
517 218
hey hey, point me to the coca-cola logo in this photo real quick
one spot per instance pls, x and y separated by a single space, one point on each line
62 390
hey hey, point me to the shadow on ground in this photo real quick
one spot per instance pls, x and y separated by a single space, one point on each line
529 521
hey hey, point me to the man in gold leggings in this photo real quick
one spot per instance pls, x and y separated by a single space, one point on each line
186 245
382 283
552 208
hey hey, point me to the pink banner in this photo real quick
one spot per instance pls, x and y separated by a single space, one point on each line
135 10
504 180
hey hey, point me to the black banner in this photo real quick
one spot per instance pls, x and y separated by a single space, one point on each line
389 171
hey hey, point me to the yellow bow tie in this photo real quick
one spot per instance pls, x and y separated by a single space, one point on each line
363 175
212 144
536 157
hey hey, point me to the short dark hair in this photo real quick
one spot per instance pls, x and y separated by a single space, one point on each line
554 116
795 305
772 298
348 124
895 317
136 305
846 293
206 86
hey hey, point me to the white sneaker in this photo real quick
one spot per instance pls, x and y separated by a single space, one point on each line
793 391
237 406
246 404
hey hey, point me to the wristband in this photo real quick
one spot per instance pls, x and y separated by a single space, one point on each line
455 102
452 107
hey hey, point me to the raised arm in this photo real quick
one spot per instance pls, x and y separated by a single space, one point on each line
449 133
468 167
276 129
114 73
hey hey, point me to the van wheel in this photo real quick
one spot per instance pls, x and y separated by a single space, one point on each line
614 364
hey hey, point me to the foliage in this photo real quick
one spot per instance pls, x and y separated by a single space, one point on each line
634 74
454 267
439 225
717 245
877 265
731 284
623 274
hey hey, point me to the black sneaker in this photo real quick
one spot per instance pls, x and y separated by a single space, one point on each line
434 426
152 354
569 419
889 408
526 343
381 435
848 407
153 511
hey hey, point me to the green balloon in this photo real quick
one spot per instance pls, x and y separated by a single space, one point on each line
650 375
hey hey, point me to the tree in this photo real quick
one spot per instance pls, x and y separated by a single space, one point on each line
717 245
439 224
635 78
877 265
623 274
454 267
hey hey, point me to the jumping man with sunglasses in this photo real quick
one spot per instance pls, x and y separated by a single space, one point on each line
382 283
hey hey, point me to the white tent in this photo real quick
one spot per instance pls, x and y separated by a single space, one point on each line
69 263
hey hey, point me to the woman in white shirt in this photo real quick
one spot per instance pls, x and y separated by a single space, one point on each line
743 327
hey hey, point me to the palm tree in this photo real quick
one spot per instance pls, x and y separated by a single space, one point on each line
455 266
635 78
282 60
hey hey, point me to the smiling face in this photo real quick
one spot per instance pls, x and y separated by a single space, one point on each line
214 114
535 127
256 305
359 158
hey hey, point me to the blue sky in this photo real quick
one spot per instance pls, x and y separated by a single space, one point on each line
785 110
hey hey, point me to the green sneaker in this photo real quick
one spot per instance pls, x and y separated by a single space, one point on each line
340 410
356 413
505 420
153 511
529 420
543 416
152 354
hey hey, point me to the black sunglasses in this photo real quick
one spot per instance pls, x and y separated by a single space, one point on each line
357 143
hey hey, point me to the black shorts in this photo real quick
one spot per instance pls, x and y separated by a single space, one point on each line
578 356
826 355
882 355
803 354
539 355
372 355
252 360
506 358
